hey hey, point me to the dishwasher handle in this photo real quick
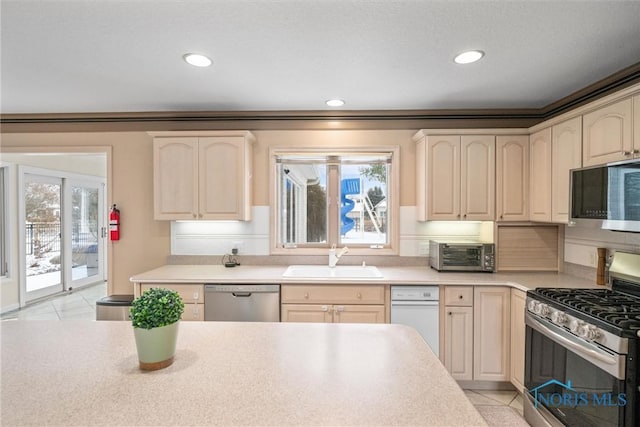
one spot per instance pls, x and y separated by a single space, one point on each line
241 294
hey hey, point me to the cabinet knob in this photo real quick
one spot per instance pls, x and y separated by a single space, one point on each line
325 308
627 153
359 295
500 216
465 215
458 216
306 295
636 151
449 313
195 216
460 296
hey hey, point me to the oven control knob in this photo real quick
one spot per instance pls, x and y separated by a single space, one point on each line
531 305
589 332
558 317
575 325
541 309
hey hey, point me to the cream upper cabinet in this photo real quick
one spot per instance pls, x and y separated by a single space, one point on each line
443 177
517 344
175 178
607 134
636 126
540 176
456 177
478 177
491 325
203 177
566 154
512 178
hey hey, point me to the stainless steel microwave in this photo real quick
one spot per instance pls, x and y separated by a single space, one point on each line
462 256
607 196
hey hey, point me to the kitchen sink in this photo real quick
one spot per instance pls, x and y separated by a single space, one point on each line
337 272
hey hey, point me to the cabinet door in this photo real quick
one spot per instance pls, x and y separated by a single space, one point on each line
512 178
478 177
491 325
332 294
566 154
607 134
518 299
306 313
458 342
636 126
443 177
175 178
540 176
358 314
193 312
222 190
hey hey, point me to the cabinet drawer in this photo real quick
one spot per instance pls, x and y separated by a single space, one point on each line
461 296
332 294
193 312
190 293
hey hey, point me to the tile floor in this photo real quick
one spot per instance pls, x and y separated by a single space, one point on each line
499 408
76 304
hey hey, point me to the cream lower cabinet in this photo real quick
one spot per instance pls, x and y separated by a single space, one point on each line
518 302
206 176
458 332
332 303
491 333
192 296
476 332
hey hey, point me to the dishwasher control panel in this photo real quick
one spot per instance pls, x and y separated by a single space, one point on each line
241 288
414 293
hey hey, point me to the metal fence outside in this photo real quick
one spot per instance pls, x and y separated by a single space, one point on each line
45 237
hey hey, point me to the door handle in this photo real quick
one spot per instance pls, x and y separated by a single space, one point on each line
241 294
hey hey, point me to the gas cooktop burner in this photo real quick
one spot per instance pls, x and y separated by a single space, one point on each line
612 307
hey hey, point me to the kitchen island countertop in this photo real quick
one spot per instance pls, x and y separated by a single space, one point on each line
200 273
76 373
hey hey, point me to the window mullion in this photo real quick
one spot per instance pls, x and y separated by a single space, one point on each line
333 197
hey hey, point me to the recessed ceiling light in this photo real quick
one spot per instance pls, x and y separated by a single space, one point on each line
197 60
469 56
335 103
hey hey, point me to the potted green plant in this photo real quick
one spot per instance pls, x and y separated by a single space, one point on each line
155 317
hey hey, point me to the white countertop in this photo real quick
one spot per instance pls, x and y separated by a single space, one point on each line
79 373
391 275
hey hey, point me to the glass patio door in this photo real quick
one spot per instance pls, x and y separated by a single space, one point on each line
42 220
63 217
87 233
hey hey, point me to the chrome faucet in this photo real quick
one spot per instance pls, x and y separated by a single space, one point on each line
333 257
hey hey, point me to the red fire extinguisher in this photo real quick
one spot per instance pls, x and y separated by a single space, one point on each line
114 223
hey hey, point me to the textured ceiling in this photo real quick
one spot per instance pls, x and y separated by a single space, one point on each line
126 56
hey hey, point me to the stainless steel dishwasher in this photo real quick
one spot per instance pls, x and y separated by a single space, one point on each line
242 303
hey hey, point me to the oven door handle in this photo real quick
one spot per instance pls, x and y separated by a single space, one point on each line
615 364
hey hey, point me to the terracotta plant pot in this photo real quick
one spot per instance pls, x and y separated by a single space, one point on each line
156 346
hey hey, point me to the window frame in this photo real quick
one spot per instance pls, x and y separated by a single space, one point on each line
393 204
4 220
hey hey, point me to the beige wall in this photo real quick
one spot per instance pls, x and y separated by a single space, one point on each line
145 243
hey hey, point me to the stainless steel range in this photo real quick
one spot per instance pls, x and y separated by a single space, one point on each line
583 351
